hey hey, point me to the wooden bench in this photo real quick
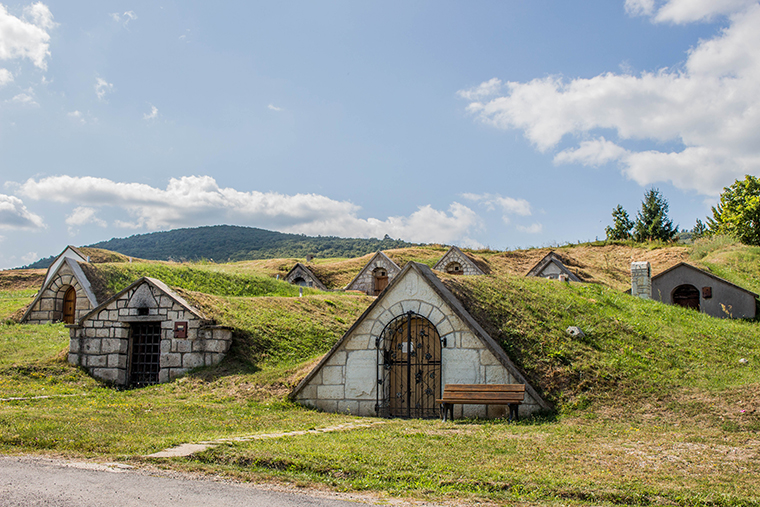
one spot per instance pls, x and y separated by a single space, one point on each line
482 394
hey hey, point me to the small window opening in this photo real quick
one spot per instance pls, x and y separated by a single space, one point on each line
143 311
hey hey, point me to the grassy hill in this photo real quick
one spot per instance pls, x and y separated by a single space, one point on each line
654 406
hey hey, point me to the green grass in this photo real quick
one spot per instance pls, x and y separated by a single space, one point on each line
278 331
199 278
653 405
631 346
24 343
12 301
567 461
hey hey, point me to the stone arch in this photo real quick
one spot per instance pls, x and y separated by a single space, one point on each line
409 373
454 268
686 295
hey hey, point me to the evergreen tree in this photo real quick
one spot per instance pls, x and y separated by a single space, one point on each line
652 222
622 224
738 211
699 230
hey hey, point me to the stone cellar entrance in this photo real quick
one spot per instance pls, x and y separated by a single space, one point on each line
409 368
686 296
146 354
69 306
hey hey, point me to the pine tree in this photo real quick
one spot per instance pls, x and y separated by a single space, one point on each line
652 222
622 225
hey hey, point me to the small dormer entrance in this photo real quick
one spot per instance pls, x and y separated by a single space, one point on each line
69 306
686 296
381 280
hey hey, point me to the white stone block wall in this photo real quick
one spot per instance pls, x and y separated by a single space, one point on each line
101 344
641 280
49 306
468 268
365 282
347 382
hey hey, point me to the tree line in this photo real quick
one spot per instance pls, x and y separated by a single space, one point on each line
737 214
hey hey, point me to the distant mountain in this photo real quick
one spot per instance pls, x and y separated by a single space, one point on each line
224 243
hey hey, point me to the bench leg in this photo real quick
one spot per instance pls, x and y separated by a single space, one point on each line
445 409
514 412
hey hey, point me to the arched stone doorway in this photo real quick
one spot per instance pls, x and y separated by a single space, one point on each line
687 296
69 306
380 277
409 368
454 268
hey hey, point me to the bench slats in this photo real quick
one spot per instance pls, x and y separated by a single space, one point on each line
482 394
485 387
481 397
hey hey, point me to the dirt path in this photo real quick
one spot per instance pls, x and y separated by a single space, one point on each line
188 449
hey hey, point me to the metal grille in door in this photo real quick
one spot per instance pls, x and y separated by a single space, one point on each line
146 354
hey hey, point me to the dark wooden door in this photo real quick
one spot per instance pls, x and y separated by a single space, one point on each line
70 305
381 282
413 360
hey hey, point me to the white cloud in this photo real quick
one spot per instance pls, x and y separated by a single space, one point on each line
274 108
531 229
153 113
76 115
688 11
483 90
592 153
127 17
14 215
508 205
102 87
27 37
24 99
198 200
82 215
5 77
710 108
639 7
30 257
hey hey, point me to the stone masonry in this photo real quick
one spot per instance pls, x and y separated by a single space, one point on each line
641 280
48 305
455 255
346 380
365 280
101 343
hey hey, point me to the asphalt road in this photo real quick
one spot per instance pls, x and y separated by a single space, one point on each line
27 481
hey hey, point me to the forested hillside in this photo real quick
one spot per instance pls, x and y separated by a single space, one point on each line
224 243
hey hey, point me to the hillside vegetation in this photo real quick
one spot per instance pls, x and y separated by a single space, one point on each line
653 405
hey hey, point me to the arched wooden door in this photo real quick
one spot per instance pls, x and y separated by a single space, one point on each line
686 296
409 368
69 306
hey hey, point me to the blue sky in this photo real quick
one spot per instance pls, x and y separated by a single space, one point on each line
493 123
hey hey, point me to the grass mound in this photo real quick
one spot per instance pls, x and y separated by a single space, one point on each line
632 348
197 278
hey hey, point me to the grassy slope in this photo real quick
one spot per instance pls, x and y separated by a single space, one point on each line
655 407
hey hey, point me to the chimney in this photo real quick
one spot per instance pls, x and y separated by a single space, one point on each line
641 280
